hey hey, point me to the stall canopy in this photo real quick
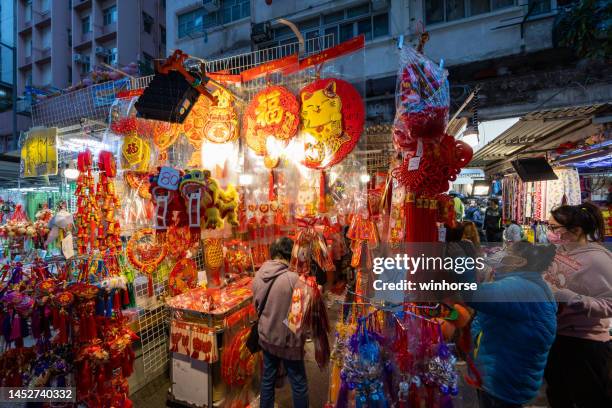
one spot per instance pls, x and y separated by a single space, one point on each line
539 132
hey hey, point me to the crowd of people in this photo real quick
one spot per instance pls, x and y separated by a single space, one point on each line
527 329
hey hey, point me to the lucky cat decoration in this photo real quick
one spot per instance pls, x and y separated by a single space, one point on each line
333 116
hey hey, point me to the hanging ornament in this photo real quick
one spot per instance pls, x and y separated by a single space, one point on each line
221 122
193 129
145 253
184 276
164 135
333 116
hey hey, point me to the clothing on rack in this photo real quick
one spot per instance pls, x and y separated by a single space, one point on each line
535 200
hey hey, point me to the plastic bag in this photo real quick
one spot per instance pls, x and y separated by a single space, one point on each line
422 99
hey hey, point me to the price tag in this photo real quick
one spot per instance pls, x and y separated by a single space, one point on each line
441 234
413 164
419 150
169 178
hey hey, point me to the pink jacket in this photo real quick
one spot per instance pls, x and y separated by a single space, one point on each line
586 299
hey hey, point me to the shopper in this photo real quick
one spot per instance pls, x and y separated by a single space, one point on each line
470 233
278 343
459 207
513 232
492 221
580 363
514 326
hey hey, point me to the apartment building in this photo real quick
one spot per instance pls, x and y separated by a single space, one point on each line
61 41
503 43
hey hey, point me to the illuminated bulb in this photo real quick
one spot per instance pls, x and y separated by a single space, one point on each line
245 179
71 174
365 178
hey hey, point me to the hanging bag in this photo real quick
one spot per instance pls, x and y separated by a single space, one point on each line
252 342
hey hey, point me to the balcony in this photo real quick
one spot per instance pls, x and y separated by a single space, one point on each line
84 41
81 5
43 18
44 55
25 27
107 32
25 61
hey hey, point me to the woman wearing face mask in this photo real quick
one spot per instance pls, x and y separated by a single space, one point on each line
580 362
514 326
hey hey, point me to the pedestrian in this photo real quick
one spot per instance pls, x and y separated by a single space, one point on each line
492 221
580 363
513 232
514 326
272 291
470 233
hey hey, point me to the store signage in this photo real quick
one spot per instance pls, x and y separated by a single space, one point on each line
468 176
39 153
269 67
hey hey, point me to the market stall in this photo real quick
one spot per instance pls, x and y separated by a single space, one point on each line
178 194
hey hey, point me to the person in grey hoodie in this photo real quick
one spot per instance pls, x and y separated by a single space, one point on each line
579 368
278 343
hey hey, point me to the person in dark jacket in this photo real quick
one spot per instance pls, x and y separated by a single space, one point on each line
278 343
492 221
514 327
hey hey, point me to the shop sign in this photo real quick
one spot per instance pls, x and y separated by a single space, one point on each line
468 176
39 153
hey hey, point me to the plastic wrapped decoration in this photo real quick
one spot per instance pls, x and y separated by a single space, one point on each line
270 121
193 126
135 149
109 234
184 276
208 205
237 362
145 253
427 168
422 99
309 246
88 212
333 116
363 370
170 208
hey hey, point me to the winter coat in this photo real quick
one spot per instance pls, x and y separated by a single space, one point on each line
586 299
513 331
274 335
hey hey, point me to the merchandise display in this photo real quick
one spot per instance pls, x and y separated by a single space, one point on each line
147 263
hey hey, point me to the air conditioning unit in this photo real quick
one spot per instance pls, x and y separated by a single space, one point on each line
378 5
211 5
101 51
261 32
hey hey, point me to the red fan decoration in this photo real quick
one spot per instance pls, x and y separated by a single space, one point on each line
184 276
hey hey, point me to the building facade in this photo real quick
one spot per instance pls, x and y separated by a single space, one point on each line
61 41
502 43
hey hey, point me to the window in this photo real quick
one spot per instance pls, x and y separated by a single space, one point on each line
110 15
340 25
46 37
86 25
44 5
111 56
439 11
85 67
28 46
539 6
147 23
69 36
196 21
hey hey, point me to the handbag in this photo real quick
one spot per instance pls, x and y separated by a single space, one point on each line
252 342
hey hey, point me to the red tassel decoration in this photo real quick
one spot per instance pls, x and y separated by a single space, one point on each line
116 301
126 297
92 332
127 403
101 381
322 203
150 286
62 328
271 190
85 376
16 327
